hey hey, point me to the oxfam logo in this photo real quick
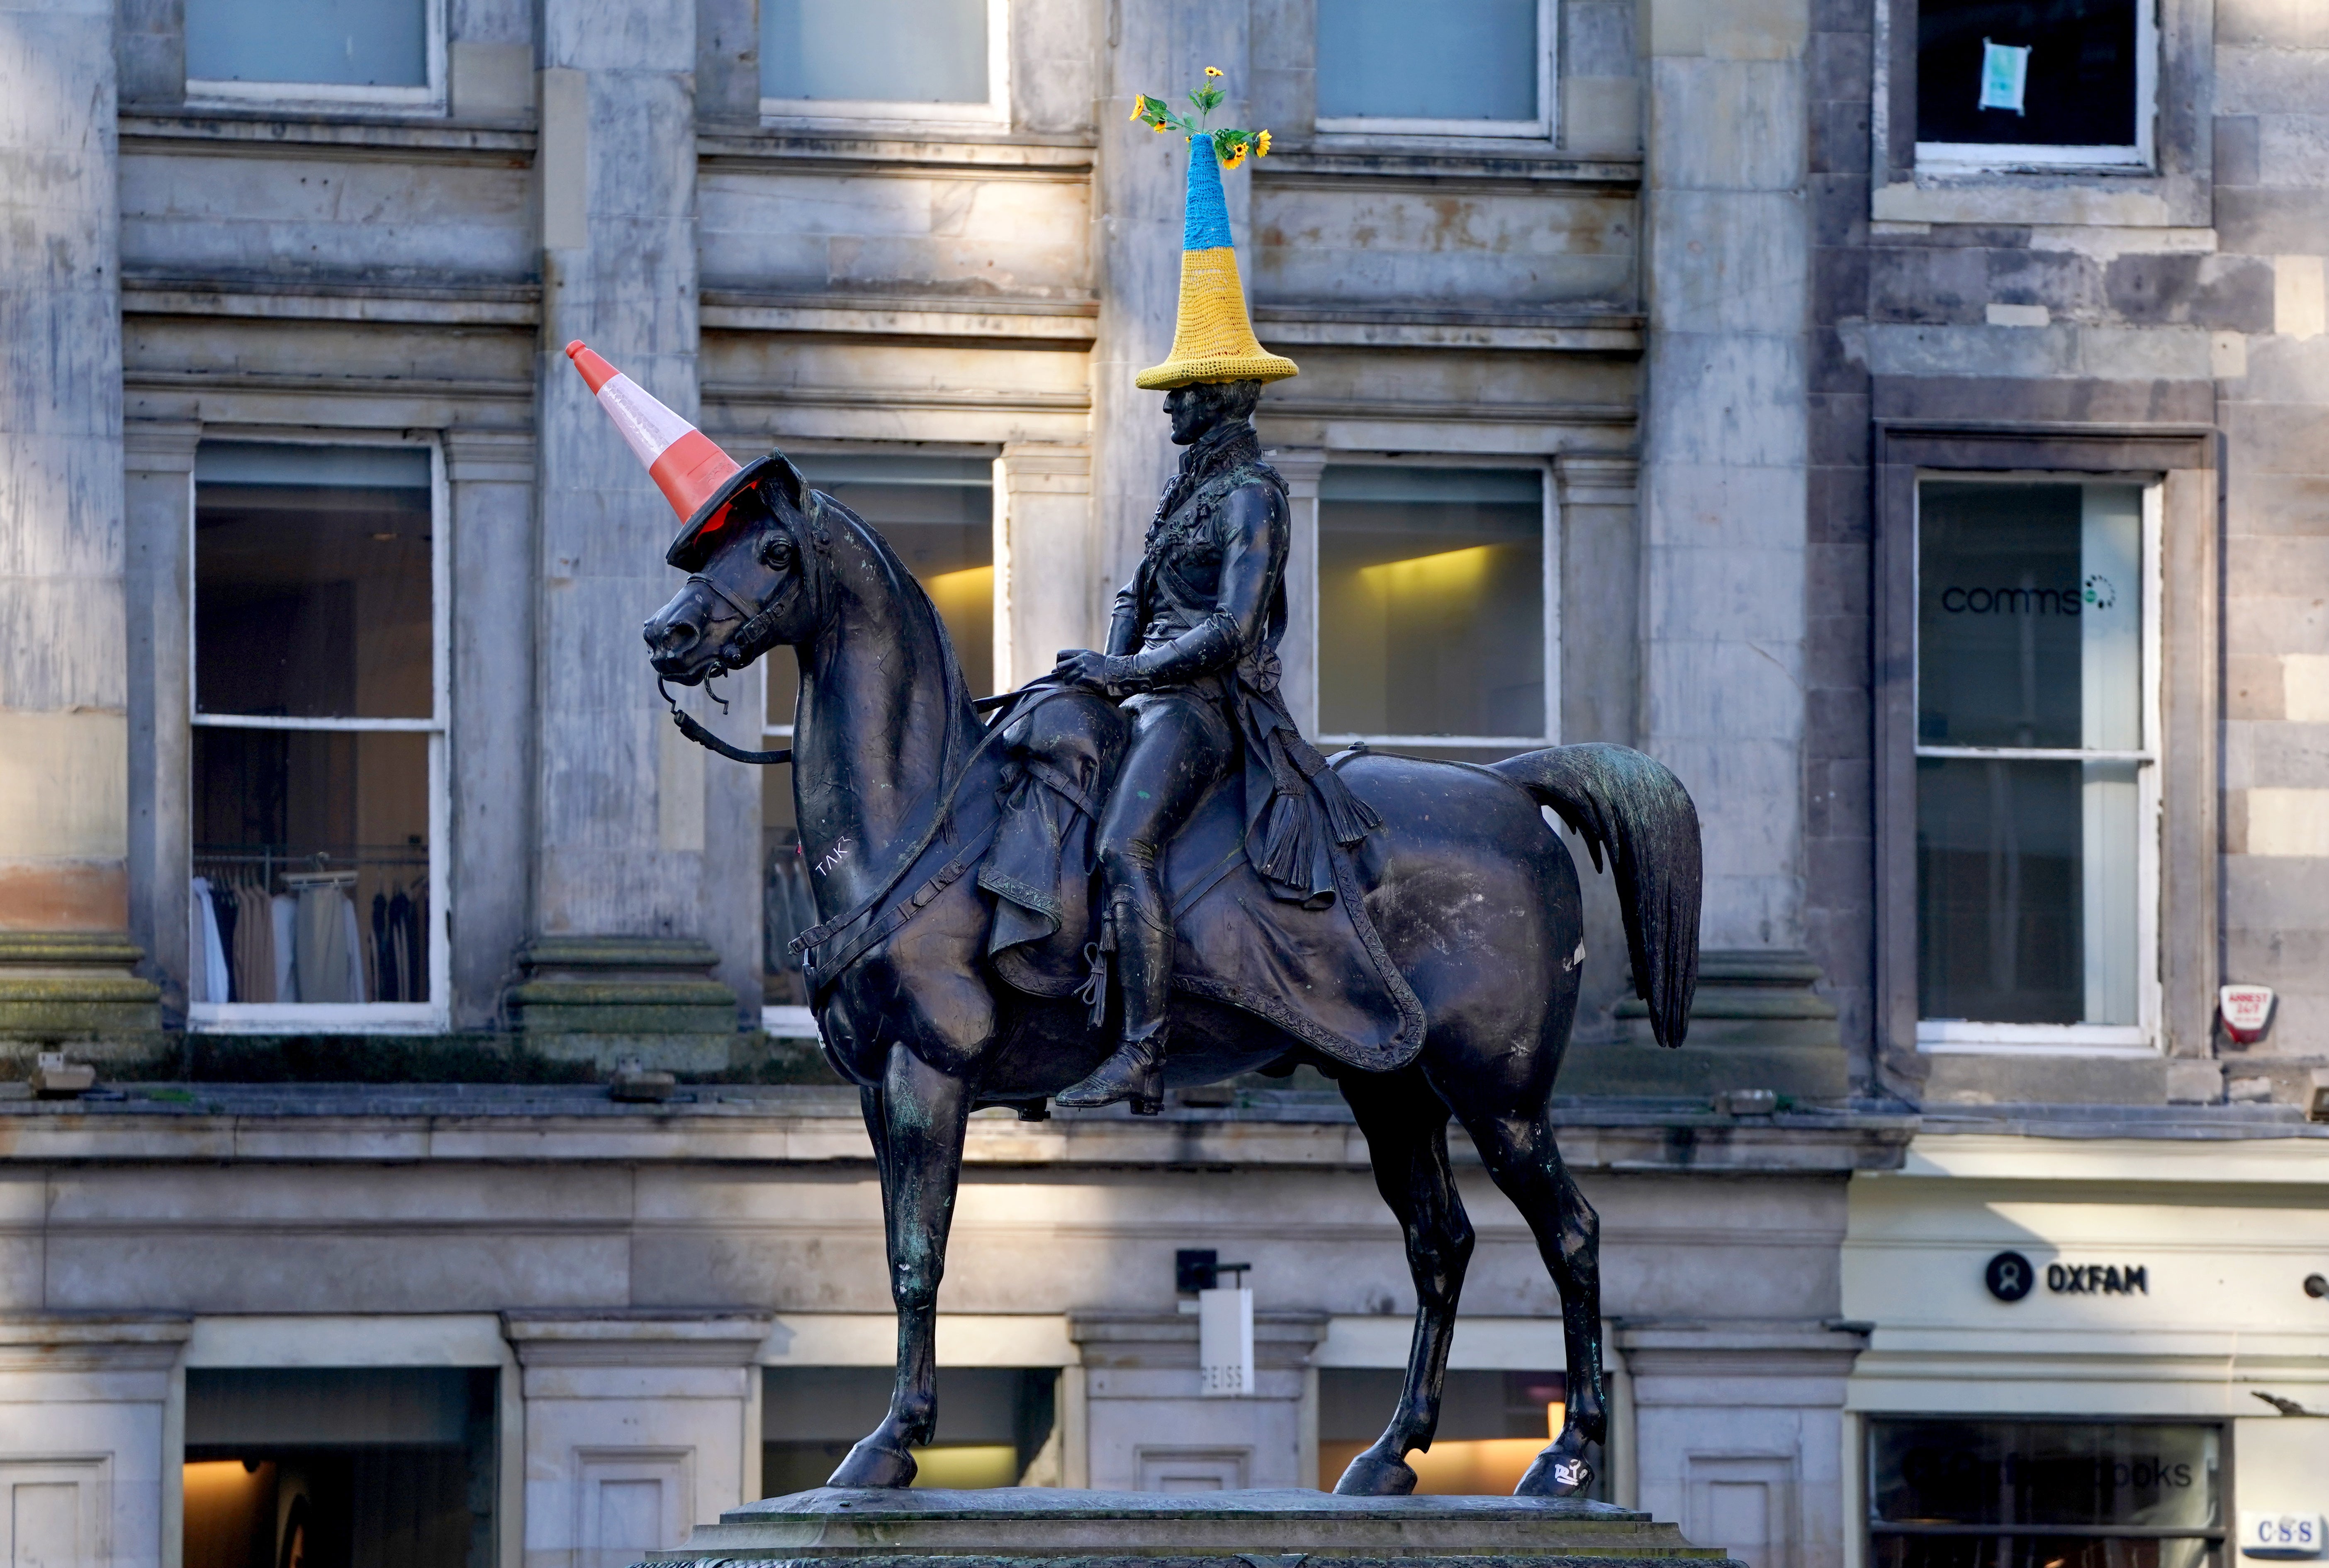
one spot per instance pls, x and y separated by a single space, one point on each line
2098 592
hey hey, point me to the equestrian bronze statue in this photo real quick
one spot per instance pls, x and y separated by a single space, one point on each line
1138 875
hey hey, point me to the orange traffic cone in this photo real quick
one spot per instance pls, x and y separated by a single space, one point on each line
685 464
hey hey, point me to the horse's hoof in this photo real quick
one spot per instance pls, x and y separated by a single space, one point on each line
872 1464
1556 1474
1371 1475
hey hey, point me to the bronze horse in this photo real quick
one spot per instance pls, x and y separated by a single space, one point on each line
1473 894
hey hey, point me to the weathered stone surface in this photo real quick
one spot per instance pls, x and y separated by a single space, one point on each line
1026 1524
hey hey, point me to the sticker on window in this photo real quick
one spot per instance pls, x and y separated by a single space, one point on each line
2004 72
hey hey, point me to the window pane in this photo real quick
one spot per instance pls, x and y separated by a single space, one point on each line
339 43
311 866
937 515
1452 60
2045 1473
875 51
2076 81
1431 602
317 1466
994 1420
2037 1552
312 581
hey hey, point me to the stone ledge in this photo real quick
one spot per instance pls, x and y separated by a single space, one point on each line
1232 1529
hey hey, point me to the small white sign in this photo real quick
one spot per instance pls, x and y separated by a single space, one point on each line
2281 1536
2247 1010
2005 72
1225 1342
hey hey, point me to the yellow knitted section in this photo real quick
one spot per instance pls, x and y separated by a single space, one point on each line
1213 339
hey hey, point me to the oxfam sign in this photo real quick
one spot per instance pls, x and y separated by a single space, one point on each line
2097 592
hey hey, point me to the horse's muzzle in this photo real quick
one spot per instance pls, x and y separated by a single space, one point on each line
677 642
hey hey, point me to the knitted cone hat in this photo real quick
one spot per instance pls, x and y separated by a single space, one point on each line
684 463
1214 338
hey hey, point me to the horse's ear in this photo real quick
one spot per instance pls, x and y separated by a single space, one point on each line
789 482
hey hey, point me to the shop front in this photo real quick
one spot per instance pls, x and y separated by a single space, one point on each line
2091 1351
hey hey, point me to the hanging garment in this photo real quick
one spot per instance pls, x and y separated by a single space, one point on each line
384 952
226 910
285 909
323 956
254 944
210 981
403 926
353 941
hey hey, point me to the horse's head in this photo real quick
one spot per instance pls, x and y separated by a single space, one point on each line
756 559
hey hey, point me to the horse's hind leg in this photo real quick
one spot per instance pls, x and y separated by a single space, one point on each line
1406 1125
919 1140
1517 1147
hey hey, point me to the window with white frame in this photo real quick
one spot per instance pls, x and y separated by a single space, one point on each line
938 513
884 58
2003 84
317 787
2037 784
385 52
1452 67
1436 606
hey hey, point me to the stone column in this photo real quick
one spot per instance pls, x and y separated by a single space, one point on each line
1139 180
64 768
1044 596
1738 1434
638 1426
1302 465
490 474
159 440
1148 1428
641 852
88 1465
1726 237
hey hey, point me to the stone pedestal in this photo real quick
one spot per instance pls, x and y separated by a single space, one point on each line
78 990
942 1530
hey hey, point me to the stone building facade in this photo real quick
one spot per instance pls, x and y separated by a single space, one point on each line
1920 446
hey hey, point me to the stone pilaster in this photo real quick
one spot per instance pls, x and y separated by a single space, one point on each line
638 1426
638 832
1044 599
90 1455
63 726
490 475
1725 449
1302 467
1139 181
158 442
1148 1428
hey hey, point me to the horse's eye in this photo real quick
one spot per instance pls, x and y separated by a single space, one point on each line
777 553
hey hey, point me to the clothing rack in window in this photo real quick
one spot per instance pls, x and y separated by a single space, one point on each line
343 925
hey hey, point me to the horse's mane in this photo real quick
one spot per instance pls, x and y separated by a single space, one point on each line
914 599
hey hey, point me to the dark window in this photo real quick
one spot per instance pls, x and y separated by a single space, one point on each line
1491 1427
938 515
1948 1493
2029 753
2074 87
340 1468
995 1425
1431 602
316 722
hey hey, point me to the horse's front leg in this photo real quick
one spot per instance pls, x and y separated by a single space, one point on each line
923 1114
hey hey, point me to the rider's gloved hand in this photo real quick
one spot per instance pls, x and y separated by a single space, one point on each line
1081 666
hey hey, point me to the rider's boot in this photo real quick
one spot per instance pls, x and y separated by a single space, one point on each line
1144 960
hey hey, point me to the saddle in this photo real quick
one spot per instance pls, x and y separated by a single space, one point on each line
1317 970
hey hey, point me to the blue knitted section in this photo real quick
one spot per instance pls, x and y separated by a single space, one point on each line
1207 226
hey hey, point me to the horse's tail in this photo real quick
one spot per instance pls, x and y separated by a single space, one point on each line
1629 803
